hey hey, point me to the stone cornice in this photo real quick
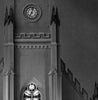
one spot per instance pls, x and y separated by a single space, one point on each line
32 37
32 46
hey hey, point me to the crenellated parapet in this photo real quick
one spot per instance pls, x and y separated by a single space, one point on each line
63 66
85 94
70 75
73 81
77 85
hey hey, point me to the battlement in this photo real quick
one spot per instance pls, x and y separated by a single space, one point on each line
77 85
74 81
84 93
70 75
63 66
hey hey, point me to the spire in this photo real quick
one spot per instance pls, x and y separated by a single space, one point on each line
56 20
6 16
55 16
9 16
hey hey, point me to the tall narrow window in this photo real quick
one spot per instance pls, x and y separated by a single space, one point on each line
31 92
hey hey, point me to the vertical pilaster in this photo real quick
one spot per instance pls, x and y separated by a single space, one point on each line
5 86
8 86
55 85
50 85
8 76
11 85
55 75
53 69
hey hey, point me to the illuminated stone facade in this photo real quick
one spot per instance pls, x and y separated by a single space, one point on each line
32 54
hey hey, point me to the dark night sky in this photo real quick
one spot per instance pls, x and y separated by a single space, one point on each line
79 38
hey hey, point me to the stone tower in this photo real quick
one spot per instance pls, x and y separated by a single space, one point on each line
31 51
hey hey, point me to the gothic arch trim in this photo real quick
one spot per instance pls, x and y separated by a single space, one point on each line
30 92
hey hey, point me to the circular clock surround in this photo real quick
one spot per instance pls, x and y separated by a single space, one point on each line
32 12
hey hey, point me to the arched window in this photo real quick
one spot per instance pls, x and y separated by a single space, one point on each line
31 92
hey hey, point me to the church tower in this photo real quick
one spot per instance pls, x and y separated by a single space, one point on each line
31 51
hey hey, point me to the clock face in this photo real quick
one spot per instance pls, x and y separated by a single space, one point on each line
32 13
